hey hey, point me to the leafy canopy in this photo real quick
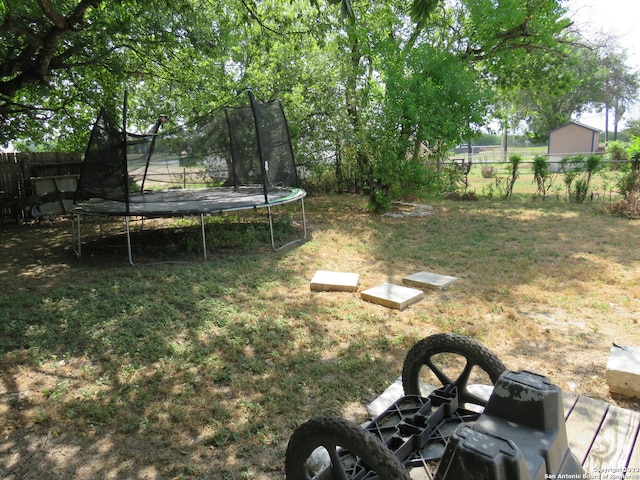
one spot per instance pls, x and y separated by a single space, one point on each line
368 86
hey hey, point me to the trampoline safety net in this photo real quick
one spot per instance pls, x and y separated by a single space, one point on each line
232 147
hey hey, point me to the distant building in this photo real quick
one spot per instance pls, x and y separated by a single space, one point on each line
571 139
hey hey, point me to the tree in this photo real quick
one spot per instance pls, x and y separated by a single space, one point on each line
430 81
633 128
32 50
560 84
61 61
370 88
620 87
577 77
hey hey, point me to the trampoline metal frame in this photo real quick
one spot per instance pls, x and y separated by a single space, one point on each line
77 212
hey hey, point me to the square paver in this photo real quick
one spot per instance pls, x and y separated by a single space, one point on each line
335 281
428 280
623 371
392 296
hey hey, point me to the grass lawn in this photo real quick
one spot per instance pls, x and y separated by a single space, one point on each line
204 369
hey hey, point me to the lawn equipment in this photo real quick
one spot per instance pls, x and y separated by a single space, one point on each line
481 422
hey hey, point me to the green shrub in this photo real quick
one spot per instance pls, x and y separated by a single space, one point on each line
616 152
633 151
627 182
578 171
542 175
515 161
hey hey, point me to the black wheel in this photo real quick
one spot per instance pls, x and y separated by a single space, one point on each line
449 359
362 453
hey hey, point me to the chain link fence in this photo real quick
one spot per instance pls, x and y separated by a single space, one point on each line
490 176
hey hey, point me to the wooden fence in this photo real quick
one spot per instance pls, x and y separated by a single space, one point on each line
27 178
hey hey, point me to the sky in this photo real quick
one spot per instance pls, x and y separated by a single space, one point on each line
618 18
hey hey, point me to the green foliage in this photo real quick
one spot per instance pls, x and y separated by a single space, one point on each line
373 91
617 154
488 191
626 184
616 150
433 95
542 175
556 84
578 172
515 161
571 172
593 163
109 47
633 152
633 128
501 186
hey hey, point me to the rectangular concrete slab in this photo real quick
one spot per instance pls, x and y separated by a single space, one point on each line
623 371
335 281
428 280
392 296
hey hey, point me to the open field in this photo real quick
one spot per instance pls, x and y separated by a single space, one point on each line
204 369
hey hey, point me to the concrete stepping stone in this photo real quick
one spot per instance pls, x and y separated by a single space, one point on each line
428 280
623 370
392 296
326 281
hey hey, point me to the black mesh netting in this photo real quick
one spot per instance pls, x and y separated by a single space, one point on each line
104 170
232 147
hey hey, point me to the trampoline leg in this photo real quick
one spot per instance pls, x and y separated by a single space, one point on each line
204 238
304 226
273 242
304 220
76 239
126 222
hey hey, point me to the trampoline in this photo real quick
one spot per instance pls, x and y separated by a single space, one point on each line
245 151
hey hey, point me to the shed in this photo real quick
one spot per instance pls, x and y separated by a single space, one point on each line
573 138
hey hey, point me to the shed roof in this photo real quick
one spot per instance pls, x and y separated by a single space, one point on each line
572 122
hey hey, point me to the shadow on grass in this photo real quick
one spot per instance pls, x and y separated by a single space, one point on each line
181 371
202 370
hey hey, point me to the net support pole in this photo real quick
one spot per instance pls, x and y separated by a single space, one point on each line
152 146
259 140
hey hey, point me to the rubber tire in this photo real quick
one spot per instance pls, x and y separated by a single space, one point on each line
476 355
332 432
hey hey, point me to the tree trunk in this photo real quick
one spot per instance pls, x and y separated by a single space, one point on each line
606 124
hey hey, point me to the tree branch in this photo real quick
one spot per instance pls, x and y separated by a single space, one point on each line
52 14
34 63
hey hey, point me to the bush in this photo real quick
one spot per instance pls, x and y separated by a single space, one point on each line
488 172
634 154
542 175
628 182
629 206
515 161
616 152
578 172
